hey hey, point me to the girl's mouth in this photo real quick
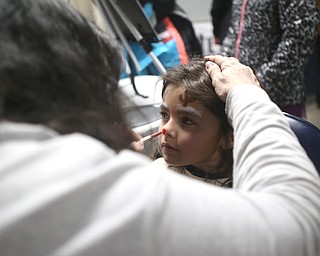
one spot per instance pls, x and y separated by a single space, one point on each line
165 146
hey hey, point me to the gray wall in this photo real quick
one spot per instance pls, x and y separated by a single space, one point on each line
198 10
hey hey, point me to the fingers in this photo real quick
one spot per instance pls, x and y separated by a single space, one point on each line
218 81
213 69
221 60
137 146
232 65
227 73
136 136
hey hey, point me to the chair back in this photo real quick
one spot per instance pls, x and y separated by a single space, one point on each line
308 136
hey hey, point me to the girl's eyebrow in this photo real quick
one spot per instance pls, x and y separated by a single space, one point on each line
164 106
189 110
182 109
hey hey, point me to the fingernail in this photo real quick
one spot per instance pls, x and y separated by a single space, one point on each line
209 64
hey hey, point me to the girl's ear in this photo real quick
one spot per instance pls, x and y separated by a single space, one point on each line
227 141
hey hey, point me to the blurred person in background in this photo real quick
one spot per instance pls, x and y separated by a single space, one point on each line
275 38
312 74
221 19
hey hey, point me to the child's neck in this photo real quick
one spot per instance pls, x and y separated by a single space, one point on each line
205 174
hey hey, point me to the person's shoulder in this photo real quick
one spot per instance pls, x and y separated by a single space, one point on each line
160 161
79 143
97 152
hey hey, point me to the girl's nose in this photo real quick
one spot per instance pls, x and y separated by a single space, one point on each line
168 130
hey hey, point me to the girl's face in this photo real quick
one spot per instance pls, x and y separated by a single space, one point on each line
192 134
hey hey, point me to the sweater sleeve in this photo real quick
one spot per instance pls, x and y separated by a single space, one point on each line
271 166
264 141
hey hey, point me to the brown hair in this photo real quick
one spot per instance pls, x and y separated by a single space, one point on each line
59 70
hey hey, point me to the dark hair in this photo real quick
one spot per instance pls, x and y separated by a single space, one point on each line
198 87
59 70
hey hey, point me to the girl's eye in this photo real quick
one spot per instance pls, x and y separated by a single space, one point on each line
187 121
163 115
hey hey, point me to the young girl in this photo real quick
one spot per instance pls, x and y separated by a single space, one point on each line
197 138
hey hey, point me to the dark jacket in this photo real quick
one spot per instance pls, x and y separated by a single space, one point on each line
277 38
221 17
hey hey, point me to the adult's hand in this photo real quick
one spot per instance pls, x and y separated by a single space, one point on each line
137 145
228 72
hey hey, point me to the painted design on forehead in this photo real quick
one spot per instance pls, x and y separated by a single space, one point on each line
189 110
185 98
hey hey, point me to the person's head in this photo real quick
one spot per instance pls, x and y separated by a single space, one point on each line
59 70
197 131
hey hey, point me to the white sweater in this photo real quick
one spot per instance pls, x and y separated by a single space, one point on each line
72 195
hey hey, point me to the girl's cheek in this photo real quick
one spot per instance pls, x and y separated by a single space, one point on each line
189 140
